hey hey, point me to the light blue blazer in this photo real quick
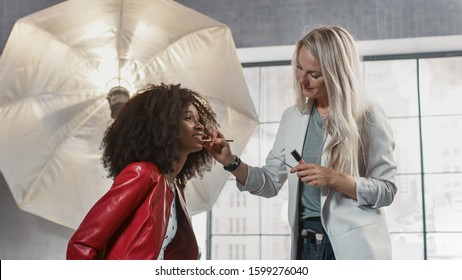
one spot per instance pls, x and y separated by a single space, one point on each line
357 228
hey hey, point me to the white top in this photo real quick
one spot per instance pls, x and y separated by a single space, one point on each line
171 228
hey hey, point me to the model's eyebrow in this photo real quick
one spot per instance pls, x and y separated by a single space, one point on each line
191 113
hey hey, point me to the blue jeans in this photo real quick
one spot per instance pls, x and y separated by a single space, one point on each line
313 242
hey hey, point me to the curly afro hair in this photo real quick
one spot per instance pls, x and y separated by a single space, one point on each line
147 128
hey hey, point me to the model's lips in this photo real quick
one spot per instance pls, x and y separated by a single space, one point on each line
208 138
202 137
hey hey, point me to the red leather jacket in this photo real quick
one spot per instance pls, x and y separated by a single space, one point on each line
130 220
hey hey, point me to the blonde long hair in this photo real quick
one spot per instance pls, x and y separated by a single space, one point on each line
340 62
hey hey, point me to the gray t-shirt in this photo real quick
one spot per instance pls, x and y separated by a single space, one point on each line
310 197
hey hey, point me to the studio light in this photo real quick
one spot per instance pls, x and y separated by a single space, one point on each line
117 97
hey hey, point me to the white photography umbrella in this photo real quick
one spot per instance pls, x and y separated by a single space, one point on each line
55 73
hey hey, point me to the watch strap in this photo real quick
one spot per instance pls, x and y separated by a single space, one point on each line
235 164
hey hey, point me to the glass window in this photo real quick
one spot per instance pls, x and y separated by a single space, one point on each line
407 144
252 79
444 246
393 84
276 92
274 219
407 246
443 202
275 247
440 86
405 214
236 247
442 143
236 212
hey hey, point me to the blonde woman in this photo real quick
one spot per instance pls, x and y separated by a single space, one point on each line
346 171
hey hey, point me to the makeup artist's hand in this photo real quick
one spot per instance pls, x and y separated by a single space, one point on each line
219 148
319 176
313 174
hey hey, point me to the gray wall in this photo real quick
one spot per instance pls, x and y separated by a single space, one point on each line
281 22
253 23
257 23
11 10
26 236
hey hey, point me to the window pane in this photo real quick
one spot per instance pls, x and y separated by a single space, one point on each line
442 144
252 78
444 246
276 92
236 212
236 247
393 84
407 246
407 144
275 247
440 85
405 213
199 222
443 202
267 136
251 154
274 213
259 144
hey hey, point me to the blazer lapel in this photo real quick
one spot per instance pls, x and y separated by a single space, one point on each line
297 127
